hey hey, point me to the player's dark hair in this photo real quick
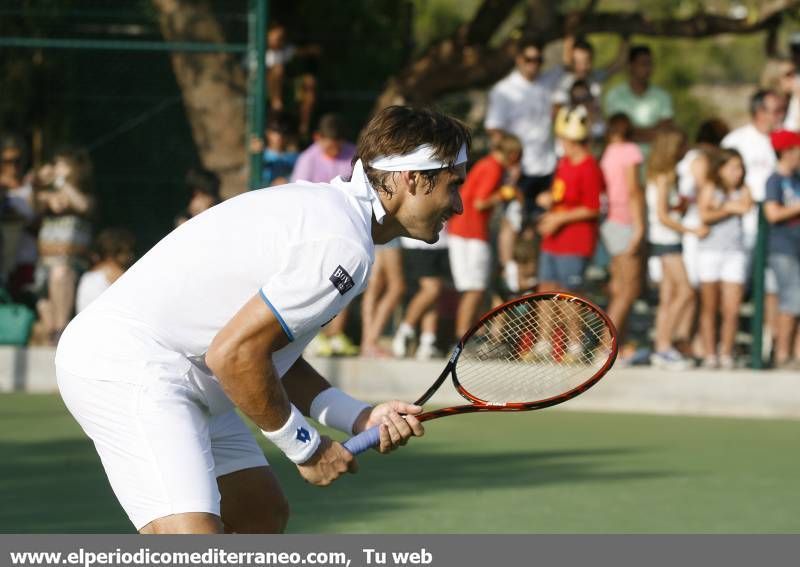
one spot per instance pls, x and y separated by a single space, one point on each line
399 130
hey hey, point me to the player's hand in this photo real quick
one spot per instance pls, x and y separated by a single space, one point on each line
329 463
396 422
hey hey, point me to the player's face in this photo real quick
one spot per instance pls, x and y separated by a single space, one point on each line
431 206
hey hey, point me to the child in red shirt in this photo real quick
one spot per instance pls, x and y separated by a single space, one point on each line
569 227
468 233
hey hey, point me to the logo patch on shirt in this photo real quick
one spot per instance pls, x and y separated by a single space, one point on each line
341 280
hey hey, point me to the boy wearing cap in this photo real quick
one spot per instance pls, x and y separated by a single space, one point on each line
782 209
569 227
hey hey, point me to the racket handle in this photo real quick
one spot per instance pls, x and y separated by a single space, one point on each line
363 441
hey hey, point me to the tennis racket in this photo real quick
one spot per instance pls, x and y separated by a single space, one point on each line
530 353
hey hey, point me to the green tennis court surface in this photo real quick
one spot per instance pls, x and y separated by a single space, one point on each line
548 471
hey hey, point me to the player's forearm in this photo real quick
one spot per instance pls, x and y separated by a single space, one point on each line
303 383
252 383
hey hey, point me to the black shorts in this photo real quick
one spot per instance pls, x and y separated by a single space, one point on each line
665 249
421 263
532 186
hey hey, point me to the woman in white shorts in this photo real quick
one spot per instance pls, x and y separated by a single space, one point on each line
722 256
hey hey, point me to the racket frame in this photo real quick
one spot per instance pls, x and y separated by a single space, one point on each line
479 405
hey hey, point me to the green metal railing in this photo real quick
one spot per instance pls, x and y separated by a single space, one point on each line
257 90
759 267
121 45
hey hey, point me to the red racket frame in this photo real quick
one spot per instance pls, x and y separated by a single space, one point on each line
479 405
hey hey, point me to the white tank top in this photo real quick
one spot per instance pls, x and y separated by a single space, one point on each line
658 233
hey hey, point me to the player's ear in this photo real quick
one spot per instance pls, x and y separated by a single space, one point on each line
411 181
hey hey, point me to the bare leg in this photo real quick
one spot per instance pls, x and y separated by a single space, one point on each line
393 290
731 301
625 286
709 307
663 339
468 308
430 321
44 308
62 284
275 77
307 100
376 284
430 288
188 523
337 326
251 502
786 328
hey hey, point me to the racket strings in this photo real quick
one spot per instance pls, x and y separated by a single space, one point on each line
534 350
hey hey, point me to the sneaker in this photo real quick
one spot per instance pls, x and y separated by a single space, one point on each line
669 360
343 346
322 346
401 342
726 362
710 362
427 352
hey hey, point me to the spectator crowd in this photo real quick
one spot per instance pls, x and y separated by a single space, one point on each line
576 176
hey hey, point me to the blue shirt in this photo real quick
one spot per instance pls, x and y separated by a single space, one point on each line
277 164
784 237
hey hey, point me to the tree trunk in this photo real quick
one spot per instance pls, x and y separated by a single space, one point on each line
213 86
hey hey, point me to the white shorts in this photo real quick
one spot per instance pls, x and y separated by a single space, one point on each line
722 266
160 444
470 262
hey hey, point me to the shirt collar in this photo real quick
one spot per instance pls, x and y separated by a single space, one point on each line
363 191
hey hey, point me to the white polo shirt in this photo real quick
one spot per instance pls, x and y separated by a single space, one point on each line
305 248
524 108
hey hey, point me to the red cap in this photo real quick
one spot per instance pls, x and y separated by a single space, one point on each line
784 139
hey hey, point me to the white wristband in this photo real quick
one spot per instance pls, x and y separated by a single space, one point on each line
296 438
334 408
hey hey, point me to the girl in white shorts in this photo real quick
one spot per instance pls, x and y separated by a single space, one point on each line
722 256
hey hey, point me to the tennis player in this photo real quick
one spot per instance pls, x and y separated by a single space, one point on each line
216 316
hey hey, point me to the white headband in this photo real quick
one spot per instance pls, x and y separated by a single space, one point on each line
421 159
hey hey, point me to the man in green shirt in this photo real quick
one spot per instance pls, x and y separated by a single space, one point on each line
649 107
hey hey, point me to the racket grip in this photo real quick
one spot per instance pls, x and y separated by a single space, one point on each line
363 441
